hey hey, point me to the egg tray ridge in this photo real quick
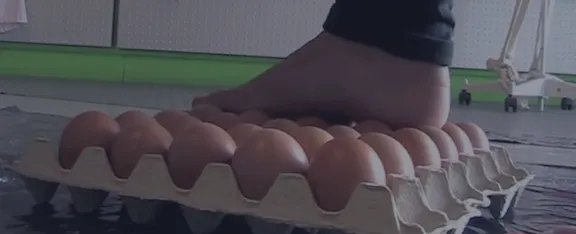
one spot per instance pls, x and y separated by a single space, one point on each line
491 173
486 179
402 207
499 168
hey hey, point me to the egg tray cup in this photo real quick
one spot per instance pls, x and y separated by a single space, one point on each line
502 169
494 175
404 206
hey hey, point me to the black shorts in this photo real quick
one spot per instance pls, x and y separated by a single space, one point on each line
419 30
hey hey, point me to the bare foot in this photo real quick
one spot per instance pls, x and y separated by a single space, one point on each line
333 75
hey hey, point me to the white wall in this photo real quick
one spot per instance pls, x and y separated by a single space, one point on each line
70 22
277 27
482 26
250 27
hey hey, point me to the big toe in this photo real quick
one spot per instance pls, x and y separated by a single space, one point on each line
199 100
233 100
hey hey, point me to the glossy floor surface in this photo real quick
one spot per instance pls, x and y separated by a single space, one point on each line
547 149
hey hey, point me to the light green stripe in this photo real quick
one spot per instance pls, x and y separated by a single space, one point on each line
201 70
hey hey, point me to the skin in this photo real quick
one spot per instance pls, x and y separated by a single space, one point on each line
333 75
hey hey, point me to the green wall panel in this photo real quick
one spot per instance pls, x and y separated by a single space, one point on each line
190 71
60 62
201 70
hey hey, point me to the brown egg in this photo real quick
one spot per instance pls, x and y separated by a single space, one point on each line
176 121
312 121
254 117
224 120
477 136
190 152
421 148
311 138
338 131
281 124
268 153
132 143
372 126
459 137
132 117
338 167
395 158
91 128
242 132
444 142
204 111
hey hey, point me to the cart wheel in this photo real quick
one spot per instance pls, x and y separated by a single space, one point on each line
461 100
511 102
464 97
566 104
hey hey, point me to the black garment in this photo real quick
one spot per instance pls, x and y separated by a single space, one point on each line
412 29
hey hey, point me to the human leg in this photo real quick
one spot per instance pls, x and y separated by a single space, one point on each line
379 59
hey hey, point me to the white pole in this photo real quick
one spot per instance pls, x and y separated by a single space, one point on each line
516 23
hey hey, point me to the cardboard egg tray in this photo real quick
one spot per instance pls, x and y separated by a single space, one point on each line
500 168
492 174
372 209
437 201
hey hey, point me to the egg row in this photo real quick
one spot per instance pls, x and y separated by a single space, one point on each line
334 160
465 136
476 137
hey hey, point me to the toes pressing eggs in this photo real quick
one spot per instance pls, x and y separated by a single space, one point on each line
334 159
